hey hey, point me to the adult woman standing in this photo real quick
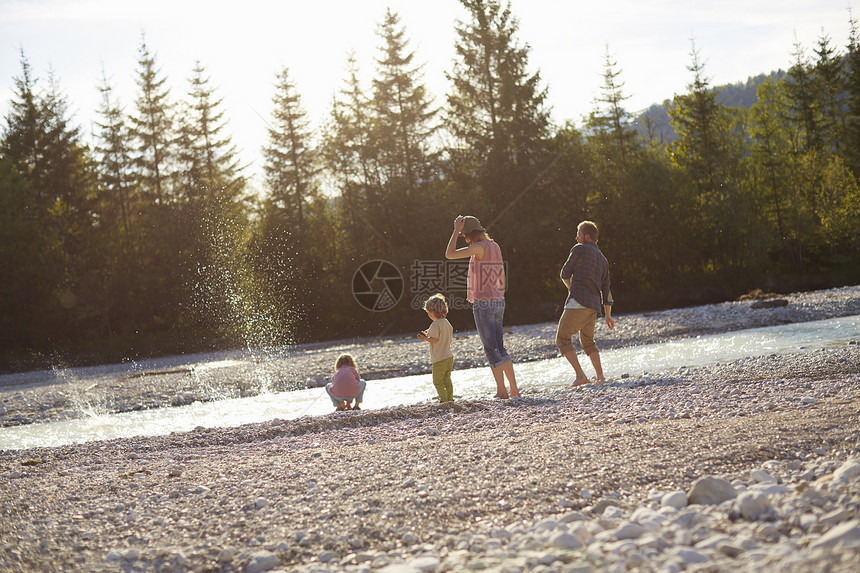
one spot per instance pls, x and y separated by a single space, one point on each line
486 292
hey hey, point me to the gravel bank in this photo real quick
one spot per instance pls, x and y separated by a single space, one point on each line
750 465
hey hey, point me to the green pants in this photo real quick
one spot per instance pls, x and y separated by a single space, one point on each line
442 379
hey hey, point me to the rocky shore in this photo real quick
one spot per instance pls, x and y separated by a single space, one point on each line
749 465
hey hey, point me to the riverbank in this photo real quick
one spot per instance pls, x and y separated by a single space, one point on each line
747 465
593 479
71 393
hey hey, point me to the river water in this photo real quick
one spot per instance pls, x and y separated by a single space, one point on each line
472 383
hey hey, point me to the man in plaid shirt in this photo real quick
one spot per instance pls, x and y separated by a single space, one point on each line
586 276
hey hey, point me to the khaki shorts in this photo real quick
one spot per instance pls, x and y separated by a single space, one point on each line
575 320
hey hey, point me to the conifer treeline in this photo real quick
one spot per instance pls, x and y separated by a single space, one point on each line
152 241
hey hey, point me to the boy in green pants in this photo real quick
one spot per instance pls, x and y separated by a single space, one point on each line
439 336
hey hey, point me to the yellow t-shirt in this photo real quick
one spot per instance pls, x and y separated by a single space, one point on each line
441 349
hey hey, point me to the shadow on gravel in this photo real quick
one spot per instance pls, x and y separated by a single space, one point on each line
341 420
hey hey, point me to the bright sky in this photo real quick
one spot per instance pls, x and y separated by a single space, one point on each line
243 44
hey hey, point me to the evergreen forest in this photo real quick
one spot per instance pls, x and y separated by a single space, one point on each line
150 240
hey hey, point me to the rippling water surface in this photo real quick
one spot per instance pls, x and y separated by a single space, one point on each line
471 383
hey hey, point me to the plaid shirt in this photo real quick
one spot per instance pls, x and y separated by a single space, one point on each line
588 271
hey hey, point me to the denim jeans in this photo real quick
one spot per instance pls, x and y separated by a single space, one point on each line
335 400
488 319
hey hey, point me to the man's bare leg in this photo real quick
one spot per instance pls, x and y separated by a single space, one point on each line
581 378
598 369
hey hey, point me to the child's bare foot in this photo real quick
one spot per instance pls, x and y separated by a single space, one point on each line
501 396
515 394
579 382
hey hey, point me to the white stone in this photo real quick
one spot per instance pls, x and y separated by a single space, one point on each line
843 533
571 516
648 518
261 561
613 512
582 532
113 556
713 541
847 472
427 563
753 505
710 491
500 533
579 568
769 488
547 524
565 541
622 547
691 556
835 517
326 556
629 530
761 476
364 557
399 568
651 541
676 499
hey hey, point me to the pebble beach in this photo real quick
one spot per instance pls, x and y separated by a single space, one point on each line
749 465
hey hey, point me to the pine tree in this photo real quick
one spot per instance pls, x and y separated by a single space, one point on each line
348 154
152 138
495 109
710 150
290 166
852 90
403 128
46 148
28 277
113 162
213 219
694 117
611 125
295 259
616 195
32 263
830 82
612 140
152 129
22 137
774 141
805 105
208 163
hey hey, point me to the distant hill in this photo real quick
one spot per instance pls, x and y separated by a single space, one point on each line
653 123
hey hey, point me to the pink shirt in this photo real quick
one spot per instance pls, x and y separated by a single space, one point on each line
344 383
487 275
